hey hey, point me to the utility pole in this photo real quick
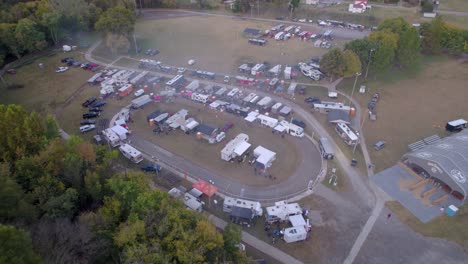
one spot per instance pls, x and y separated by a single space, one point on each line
354 86
258 8
136 47
368 63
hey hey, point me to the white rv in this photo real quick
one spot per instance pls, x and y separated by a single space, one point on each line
292 129
138 77
265 157
276 107
201 98
292 88
131 153
348 135
258 68
230 202
233 92
294 234
189 125
287 72
267 121
193 85
281 211
279 36
236 147
265 101
141 101
275 71
249 97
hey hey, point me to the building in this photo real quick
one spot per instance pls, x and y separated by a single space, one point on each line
241 215
358 7
347 134
206 131
230 203
281 211
445 162
236 147
338 116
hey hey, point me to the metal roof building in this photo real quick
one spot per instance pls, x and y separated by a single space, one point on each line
445 161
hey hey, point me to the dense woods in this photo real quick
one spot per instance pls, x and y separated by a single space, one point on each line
64 202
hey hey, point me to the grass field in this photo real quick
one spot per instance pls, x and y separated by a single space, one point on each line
454 5
44 90
451 228
217 43
413 105
208 155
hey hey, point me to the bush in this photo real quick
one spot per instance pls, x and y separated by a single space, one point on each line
427 6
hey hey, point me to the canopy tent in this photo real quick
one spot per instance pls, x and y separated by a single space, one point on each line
205 188
297 220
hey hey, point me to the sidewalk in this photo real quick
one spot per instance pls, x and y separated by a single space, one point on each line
258 244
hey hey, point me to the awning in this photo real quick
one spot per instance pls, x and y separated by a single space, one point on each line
241 148
250 118
205 188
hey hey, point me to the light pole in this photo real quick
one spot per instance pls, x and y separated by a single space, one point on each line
368 63
354 86
360 129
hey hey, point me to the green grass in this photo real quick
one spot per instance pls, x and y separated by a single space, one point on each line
451 228
340 180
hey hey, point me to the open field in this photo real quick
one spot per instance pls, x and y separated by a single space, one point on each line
454 5
44 90
217 43
451 228
413 108
208 155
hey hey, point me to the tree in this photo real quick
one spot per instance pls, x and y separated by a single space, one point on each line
7 37
62 206
51 128
241 6
332 63
396 25
432 41
386 44
117 43
14 205
28 36
352 63
52 21
409 48
16 246
232 236
427 6
117 20
362 48
452 39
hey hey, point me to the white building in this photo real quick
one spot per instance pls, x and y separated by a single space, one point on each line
230 202
267 121
191 202
359 6
131 153
281 211
265 157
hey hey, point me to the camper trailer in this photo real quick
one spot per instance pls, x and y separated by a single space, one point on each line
176 81
230 202
275 71
292 129
221 91
192 86
233 92
257 69
326 149
201 98
125 90
236 147
189 125
131 153
287 72
138 78
141 101
265 101
249 97
292 88
281 211
267 121
192 203
279 36
348 135
276 107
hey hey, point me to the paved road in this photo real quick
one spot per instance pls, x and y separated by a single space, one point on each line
337 32
258 244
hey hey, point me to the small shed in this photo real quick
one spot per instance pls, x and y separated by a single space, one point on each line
294 234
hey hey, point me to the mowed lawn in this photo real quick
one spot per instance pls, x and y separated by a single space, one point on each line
209 155
217 43
454 5
44 90
413 106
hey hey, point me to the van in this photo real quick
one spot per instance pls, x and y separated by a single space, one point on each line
139 93
379 145
87 128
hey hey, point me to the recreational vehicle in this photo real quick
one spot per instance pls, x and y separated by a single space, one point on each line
236 147
279 36
292 129
456 125
201 98
264 102
294 234
275 71
233 92
264 157
326 149
348 135
281 211
177 80
141 101
249 97
292 88
287 72
230 202
131 153
276 107
192 86
257 69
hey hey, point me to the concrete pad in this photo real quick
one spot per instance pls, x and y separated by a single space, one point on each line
390 181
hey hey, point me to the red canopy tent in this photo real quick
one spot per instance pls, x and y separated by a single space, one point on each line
205 188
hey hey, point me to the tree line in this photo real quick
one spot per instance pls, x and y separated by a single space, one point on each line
30 26
395 43
63 202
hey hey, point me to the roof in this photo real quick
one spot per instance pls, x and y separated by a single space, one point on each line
195 192
191 202
174 192
282 210
133 152
349 133
285 110
241 148
457 122
327 147
451 156
120 131
252 31
255 206
205 187
242 212
264 155
297 220
206 129
337 116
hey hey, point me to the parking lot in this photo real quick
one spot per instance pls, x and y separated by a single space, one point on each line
218 43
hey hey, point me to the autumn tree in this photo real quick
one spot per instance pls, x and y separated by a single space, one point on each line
8 38
362 48
432 41
333 64
352 63
28 36
386 43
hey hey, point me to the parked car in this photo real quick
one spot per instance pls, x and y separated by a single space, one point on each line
84 65
181 70
91 66
88 122
65 60
86 128
61 69
312 99
11 71
91 115
149 167
227 79
379 145
227 127
89 102
303 20
99 103
96 109
280 18
298 122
